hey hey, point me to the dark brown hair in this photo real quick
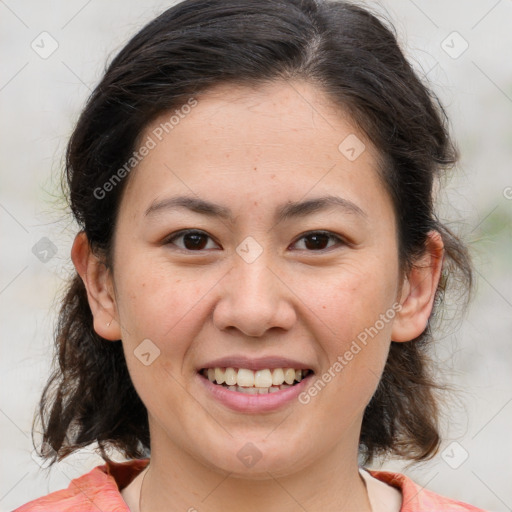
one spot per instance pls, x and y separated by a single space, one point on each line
354 58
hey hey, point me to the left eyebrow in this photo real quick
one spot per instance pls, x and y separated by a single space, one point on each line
303 208
284 212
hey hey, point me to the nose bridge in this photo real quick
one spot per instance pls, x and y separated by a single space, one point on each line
253 299
253 280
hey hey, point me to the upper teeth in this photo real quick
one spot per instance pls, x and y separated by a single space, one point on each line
259 378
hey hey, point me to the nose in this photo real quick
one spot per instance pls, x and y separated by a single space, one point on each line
254 299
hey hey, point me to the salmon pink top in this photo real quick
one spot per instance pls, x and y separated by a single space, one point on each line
100 490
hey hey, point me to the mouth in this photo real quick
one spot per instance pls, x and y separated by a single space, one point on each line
255 382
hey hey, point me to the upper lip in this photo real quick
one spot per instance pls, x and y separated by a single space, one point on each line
259 363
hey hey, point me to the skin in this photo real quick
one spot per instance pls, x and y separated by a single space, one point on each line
252 150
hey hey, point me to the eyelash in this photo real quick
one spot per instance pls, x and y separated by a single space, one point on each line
179 234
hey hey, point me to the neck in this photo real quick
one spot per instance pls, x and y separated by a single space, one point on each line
330 483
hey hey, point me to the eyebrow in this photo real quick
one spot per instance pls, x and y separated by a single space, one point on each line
284 212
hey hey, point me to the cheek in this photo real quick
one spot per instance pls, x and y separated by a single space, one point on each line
165 308
157 307
160 304
354 316
352 297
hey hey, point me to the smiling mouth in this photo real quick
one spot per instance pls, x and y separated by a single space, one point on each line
255 382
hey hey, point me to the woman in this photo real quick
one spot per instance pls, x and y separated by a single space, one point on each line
258 267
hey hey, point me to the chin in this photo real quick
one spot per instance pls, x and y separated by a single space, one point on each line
249 462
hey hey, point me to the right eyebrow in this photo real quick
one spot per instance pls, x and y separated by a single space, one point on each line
192 203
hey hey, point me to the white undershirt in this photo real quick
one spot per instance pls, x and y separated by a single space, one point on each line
383 497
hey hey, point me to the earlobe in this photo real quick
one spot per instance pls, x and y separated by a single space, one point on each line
418 291
97 279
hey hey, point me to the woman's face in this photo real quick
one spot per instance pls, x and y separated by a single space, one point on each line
277 270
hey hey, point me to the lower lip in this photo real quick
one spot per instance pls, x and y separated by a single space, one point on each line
242 402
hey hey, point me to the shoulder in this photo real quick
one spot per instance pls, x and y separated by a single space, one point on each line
96 490
416 498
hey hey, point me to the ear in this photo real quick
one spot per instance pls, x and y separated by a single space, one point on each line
97 279
418 291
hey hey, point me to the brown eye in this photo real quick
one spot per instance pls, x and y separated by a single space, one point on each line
317 241
191 240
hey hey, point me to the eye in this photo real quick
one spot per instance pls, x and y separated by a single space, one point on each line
318 241
191 240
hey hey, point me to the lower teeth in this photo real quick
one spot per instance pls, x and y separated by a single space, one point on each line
255 390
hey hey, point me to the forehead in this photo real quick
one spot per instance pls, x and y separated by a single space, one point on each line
255 142
275 114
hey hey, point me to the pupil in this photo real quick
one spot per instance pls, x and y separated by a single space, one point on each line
319 241
197 240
